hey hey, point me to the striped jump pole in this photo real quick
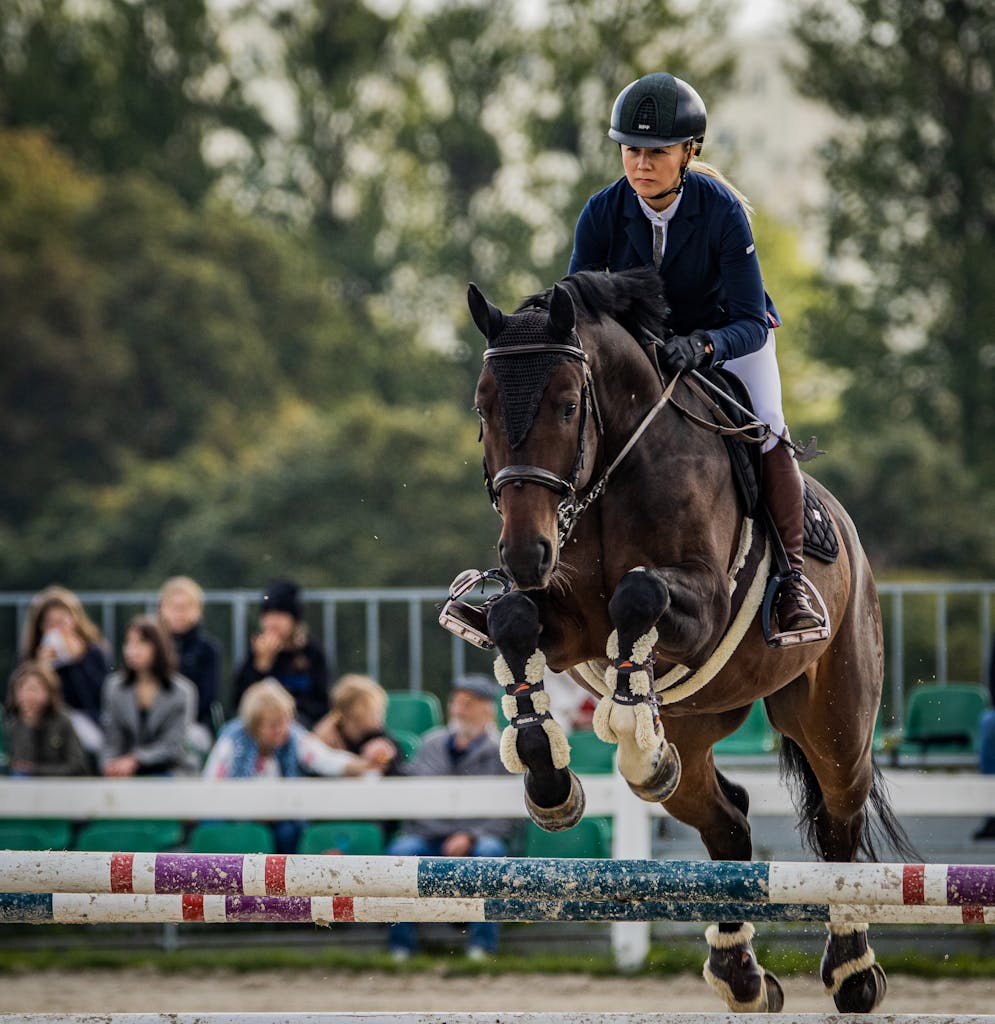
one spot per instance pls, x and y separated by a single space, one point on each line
85 908
416 1017
935 885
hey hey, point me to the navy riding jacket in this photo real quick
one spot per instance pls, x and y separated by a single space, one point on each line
710 271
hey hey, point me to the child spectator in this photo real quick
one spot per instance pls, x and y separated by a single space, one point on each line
147 707
41 739
58 632
265 741
198 654
284 651
356 723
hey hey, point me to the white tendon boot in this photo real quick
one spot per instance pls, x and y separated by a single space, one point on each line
629 717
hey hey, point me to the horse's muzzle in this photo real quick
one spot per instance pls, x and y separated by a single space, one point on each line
530 563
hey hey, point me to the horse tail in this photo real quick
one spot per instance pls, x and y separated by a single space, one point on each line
881 825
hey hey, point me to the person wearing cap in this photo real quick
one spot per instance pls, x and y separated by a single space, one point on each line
467 745
284 650
694 228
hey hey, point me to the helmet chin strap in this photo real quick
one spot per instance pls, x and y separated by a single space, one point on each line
677 188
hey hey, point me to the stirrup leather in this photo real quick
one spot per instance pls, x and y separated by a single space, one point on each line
787 638
469 621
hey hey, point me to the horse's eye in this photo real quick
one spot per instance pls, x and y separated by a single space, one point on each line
569 408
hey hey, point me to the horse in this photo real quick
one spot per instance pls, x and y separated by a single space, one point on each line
631 559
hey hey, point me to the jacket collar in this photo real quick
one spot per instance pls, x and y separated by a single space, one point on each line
679 230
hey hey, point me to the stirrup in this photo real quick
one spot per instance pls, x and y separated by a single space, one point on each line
787 638
468 621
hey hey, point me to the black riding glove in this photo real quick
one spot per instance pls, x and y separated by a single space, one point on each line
680 353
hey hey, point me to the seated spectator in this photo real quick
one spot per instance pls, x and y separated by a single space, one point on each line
569 703
356 723
265 741
146 707
284 651
467 745
198 654
987 747
58 632
41 739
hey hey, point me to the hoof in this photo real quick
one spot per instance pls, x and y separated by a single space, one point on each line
666 777
774 994
862 992
562 816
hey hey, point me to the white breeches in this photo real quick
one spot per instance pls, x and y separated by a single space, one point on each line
759 372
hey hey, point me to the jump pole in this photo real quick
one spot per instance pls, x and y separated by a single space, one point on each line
86 908
936 885
491 1018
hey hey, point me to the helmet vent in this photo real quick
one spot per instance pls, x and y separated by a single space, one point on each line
645 119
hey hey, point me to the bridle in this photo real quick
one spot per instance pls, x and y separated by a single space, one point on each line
570 508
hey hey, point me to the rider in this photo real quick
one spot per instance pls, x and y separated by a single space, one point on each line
694 228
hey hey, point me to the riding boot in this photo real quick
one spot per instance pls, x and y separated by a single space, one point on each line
784 496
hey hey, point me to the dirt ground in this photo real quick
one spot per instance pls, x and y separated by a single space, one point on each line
148 991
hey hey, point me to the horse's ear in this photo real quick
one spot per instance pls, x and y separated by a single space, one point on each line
488 318
562 316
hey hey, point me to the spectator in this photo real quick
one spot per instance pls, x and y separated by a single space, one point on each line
569 702
467 745
356 723
283 650
264 741
987 746
198 654
147 706
41 739
58 632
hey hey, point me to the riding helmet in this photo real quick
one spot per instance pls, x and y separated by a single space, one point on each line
658 110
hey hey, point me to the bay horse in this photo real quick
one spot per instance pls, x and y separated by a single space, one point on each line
628 551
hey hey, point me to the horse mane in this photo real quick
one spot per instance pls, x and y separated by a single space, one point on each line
633 298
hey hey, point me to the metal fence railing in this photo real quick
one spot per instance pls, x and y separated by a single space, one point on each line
935 631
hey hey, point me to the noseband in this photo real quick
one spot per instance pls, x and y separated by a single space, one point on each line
566 488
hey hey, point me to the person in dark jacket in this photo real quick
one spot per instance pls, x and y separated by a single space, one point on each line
282 649
58 632
468 744
198 654
40 737
694 229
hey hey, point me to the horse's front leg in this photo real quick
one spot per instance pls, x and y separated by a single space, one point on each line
628 715
533 744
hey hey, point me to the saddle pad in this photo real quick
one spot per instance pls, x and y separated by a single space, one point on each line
820 535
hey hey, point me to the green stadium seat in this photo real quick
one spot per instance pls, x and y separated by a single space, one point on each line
356 838
412 712
52 833
590 755
22 837
941 720
117 837
754 736
166 833
407 742
231 837
590 837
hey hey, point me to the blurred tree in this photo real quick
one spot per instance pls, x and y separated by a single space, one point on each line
912 221
125 86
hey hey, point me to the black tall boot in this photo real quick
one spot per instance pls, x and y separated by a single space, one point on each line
784 497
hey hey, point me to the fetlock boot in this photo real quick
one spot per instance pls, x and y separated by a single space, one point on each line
783 491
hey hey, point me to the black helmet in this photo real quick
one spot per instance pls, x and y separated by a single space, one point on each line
658 110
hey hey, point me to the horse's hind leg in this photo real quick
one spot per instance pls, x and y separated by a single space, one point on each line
629 716
533 744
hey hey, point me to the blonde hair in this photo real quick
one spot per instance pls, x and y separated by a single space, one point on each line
353 690
710 171
266 695
55 597
182 585
40 670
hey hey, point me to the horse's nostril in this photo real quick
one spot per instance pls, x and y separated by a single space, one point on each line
545 554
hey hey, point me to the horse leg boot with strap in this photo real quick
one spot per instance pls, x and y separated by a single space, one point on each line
533 744
629 716
783 492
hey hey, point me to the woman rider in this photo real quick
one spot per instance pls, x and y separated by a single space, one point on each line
695 230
